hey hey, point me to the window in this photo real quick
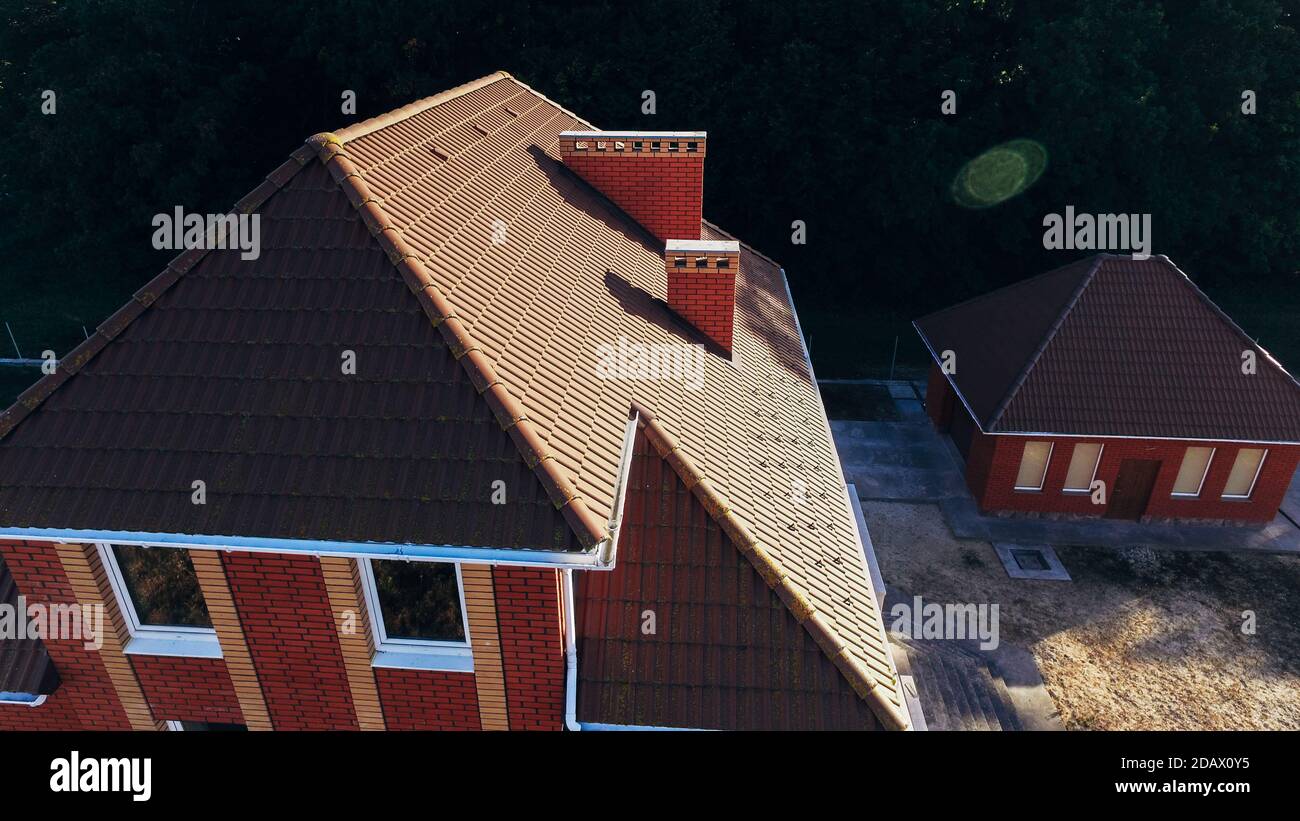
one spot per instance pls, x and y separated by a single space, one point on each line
161 601
1033 465
417 613
1083 467
1191 474
1245 470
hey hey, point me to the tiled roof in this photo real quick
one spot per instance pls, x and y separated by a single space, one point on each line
25 665
1113 346
726 653
527 316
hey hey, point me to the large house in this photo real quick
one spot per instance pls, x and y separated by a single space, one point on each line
495 432
1112 387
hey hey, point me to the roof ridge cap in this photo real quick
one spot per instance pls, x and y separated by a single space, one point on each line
805 612
534 91
108 330
1232 323
397 115
1001 408
588 527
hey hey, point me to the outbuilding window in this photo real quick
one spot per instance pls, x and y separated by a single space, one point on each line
1245 471
1083 467
1191 474
1033 465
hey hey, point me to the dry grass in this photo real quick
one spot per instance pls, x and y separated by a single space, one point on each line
1139 640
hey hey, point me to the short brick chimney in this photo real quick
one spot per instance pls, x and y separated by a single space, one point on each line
702 285
657 177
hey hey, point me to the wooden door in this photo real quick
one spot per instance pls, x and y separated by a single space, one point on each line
1132 491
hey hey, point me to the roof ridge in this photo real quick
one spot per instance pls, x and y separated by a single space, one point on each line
1007 287
1232 323
397 115
108 330
776 577
1001 408
588 527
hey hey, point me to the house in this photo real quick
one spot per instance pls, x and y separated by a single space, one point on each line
1112 387
494 433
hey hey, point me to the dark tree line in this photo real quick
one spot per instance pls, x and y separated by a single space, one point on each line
826 111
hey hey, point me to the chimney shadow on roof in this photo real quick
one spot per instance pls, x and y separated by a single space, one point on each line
638 302
579 193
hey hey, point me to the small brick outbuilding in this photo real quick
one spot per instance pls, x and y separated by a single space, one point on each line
1113 387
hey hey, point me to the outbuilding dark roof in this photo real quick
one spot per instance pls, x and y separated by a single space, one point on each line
1112 346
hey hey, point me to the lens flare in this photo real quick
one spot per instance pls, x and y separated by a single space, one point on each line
999 174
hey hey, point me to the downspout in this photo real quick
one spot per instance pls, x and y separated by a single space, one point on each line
570 659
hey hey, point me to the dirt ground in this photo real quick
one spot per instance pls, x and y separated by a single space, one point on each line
1138 640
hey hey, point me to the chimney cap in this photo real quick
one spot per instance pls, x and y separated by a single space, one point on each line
635 135
703 246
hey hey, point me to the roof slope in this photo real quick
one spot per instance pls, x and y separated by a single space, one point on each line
234 377
528 273
1113 346
726 653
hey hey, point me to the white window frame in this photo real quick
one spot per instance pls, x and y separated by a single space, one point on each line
1201 485
1047 463
1258 468
146 639
415 654
1082 491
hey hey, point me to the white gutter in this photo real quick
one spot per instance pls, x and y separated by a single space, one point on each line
355 550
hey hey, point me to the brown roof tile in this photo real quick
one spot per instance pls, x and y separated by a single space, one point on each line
1113 346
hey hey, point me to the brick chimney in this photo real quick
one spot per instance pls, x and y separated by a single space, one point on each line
657 177
702 285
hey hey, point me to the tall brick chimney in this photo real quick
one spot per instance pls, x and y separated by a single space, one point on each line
702 285
657 177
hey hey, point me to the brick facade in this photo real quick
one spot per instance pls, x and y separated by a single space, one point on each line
289 626
188 689
428 700
86 698
291 636
993 461
702 288
532 645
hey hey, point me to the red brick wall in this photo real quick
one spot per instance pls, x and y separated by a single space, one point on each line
188 689
664 194
428 700
705 297
85 699
532 645
1000 461
290 631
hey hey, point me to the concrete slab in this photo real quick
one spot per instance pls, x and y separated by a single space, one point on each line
896 461
1020 566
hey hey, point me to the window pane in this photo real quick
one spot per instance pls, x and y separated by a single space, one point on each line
1243 472
419 600
1192 471
1033 465
162 586
1082 466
